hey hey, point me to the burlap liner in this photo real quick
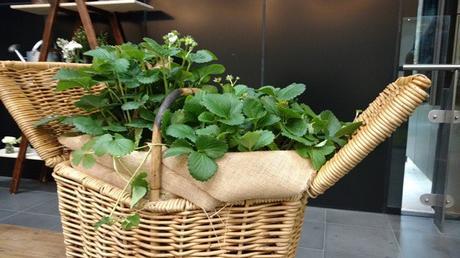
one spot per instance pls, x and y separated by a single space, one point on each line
241 175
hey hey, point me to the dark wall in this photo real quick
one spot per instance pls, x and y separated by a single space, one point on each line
24 29
343 50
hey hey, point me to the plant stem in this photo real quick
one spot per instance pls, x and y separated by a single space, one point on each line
129 181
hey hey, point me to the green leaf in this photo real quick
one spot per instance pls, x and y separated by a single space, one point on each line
131 105
317 158
120 146
297 127
270 104
209 88
139 188
130 50
202 56
316 155
268 120
226 106
117 146
140 123
212 147
207 70
88 161
211 130
179 117
307 110
69 79
193 104
158 98
90 102
241 90
265 139
207 117
131 222
201 167
47 119
181 131
101 54
256 140
176 151
83 157
115 128
147 114
160 50
269 90
253 109
149 77
291 91
88 125
296 138
77 156
289 113
348 129
103 221
120 65
333 124
178 147
235 119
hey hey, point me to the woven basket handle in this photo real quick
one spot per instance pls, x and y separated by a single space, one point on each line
387 112
156 158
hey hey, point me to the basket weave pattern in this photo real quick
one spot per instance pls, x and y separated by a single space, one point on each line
177 228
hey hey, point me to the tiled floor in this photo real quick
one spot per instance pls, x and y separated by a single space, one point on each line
327 233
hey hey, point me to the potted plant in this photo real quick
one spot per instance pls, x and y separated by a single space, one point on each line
205 133
204 127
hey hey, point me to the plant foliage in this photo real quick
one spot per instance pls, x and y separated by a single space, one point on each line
243 119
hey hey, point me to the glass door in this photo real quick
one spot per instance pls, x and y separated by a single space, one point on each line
432 165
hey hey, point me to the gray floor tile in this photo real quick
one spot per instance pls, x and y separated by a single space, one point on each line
5 214
50 207
412 223
452 228
312 235
338 254
23 200
357 218
414 244
309 253
29 185
315 214
33 220
357 240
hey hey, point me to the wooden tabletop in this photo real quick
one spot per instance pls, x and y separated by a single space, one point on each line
22 242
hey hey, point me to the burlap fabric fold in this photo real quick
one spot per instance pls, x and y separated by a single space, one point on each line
241 175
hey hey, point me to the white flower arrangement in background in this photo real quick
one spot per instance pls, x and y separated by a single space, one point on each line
69 49
9 142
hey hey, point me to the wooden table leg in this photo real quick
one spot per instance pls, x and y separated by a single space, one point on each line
17 172
48 30
87 24
116 29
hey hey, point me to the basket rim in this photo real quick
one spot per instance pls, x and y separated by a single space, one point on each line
64 172
39 65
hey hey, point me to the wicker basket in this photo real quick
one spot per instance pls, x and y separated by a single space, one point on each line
177 228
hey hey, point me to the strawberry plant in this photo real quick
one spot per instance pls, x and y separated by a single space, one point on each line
240 119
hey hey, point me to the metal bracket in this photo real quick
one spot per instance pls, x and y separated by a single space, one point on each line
437 200
444 116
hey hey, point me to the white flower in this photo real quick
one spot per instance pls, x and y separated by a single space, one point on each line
217 80
9 140
229 77
72 45
171 37
189 41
